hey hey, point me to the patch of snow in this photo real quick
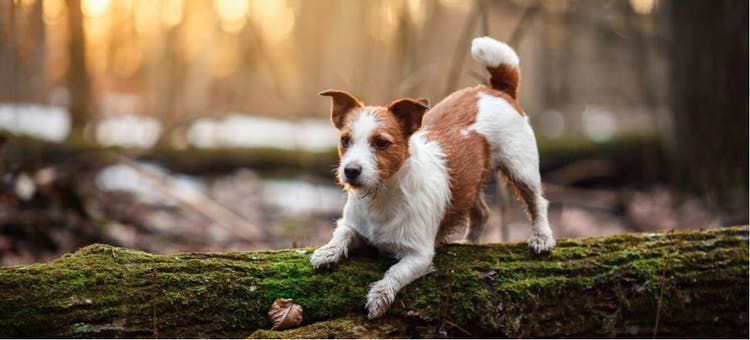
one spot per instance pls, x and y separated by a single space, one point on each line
242 130
128 131
41 121
599 123
298 197
25 187
145 188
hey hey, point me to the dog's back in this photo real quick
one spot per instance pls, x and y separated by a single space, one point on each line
481 130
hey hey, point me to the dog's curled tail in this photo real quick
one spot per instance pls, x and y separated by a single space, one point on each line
502 62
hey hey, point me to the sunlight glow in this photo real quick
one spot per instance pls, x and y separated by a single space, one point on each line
461 5
53 11
97 30
122 7
643 7
233 26
127 59
198 31
232 13
226 59
95 8
275 18
171 12
146 16
231 10
383 22
417 10
389 13
24 3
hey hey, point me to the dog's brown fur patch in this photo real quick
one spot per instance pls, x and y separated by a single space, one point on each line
391 158
505 78
342 103
467 154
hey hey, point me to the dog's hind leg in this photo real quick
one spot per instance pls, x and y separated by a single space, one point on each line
528 185
518 159
478 214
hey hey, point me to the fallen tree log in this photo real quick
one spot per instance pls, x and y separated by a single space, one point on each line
629 153
682 284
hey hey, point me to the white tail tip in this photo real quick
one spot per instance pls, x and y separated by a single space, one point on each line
492 53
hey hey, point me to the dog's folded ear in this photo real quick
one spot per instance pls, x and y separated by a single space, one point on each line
342 103
409 113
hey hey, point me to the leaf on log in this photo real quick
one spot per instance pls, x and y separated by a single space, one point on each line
285 314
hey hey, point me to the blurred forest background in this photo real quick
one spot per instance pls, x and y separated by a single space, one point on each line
195 125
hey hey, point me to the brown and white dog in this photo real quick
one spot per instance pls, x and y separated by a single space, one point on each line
411 180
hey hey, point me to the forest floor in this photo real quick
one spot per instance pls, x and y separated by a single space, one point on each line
52 209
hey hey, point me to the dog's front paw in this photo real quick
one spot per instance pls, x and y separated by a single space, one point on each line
541 243
379 298
326 256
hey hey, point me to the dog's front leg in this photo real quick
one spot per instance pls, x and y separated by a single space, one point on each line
344 238
406 270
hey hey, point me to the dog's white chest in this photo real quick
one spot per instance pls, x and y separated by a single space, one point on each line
404 215
387 229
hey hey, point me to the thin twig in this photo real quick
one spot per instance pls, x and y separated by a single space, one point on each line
458 327
155 330
483 5
659 302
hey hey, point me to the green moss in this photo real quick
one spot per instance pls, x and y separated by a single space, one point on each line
81 328
491 290
353 326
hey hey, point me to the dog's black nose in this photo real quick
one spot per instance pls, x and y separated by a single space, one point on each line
352 171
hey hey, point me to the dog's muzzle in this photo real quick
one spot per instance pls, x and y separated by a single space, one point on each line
352 174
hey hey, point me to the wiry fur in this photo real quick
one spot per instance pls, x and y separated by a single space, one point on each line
502 63
362 126
513 151
427 181
492 53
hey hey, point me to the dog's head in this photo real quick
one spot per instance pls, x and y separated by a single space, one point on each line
373 140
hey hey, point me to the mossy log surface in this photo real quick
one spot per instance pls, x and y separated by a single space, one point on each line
682 284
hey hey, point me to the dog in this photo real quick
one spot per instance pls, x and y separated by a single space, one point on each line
414 178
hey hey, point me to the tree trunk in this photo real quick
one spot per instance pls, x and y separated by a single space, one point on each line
709 76
683 284
77 76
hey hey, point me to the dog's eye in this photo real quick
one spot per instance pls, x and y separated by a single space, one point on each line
345 141
381 143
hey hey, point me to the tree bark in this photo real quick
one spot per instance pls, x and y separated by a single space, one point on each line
709 79
681 284
78 80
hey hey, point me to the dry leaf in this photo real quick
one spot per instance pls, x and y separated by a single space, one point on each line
284 313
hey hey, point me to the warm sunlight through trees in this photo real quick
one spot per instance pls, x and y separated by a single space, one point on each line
120 119
178 60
